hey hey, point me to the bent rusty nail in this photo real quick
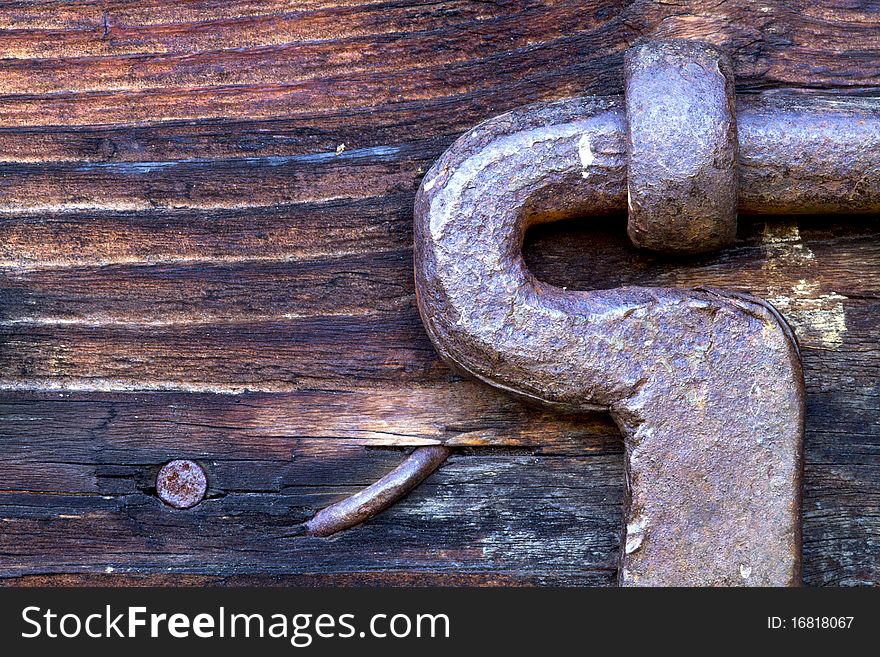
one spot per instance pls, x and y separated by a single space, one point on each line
377 497
706 386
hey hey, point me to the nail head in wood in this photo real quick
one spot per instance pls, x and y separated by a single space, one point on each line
181 484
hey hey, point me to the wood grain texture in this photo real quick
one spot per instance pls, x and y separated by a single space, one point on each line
205 252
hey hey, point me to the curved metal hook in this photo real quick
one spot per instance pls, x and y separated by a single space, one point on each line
706 386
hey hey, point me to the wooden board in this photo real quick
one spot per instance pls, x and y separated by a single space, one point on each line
205 252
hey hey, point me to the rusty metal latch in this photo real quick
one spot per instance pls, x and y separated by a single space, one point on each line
705 385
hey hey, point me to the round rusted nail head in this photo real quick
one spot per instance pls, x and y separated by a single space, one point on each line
181 484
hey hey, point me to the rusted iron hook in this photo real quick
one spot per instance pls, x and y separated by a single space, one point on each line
705 385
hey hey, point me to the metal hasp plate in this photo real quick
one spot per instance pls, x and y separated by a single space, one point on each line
705 385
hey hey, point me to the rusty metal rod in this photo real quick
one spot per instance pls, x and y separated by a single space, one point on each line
808 154
377 497
803 154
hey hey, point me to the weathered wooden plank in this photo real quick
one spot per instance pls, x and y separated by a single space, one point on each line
179 27
211 184
280 233
84 14
369 42
282 326
763 50
146 429
276 355
116 461
448 525
763 53
304 579
227 138
174 215
239 291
